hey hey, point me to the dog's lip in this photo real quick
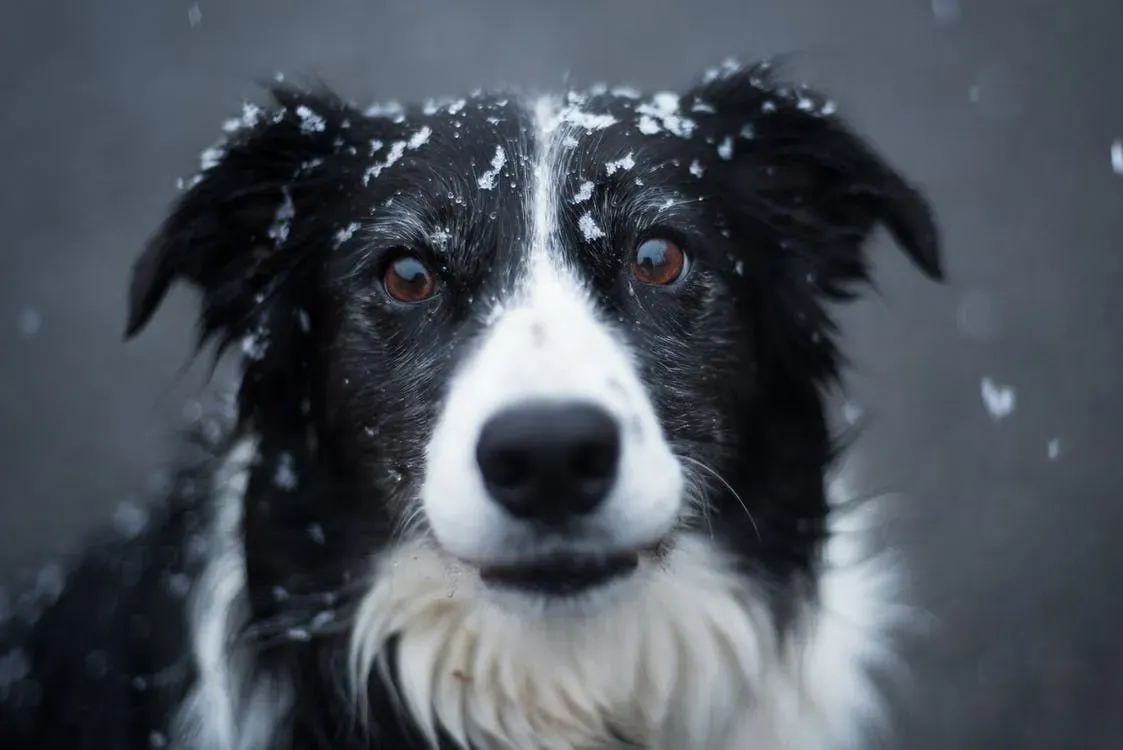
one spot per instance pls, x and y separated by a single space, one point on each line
561 574
565 571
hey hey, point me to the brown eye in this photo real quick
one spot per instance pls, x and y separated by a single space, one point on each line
407 279
658 262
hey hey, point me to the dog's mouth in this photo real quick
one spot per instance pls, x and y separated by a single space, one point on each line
561 575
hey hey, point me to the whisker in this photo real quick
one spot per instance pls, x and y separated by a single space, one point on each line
712 472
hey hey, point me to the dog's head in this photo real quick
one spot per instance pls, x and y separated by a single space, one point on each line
544 337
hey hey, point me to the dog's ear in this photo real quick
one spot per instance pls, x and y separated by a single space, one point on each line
242 227
796 167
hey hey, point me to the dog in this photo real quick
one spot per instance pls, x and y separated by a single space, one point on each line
530 446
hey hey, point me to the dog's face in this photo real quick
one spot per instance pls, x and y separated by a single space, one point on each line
545 337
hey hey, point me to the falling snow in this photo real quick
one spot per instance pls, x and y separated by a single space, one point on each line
945 10
725 148
194 15
488 178
322 619
584 192
589 228
1117 156
285 475
1053 449
851 413
50 581
998 399
130 519
29 322
178 585
696 168
14 666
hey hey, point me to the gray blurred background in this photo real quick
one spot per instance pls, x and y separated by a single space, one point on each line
1005 110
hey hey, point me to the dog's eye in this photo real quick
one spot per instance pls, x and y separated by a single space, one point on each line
658 262
408 279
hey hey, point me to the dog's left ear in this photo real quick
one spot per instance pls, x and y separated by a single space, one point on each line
795 166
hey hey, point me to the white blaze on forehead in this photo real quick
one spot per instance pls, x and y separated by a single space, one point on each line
545 340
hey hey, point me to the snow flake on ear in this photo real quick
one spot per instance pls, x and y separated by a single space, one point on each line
251 116
375 146
662 113
212 157
626 162
256 343
748 132
728 68
487 179
310 122
282 220
393 111
696 168
584 192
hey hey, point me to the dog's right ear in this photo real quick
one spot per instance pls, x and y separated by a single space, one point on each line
243 227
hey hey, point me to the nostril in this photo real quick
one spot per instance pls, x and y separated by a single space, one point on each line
595 459
507 468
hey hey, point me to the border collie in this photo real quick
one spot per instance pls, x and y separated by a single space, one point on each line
530 449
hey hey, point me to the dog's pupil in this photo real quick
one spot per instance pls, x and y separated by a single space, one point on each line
655 261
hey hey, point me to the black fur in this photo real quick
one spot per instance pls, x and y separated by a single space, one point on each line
341 385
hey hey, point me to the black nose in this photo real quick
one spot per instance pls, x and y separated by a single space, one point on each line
549 461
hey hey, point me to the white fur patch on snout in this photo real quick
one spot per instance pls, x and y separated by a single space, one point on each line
547 343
